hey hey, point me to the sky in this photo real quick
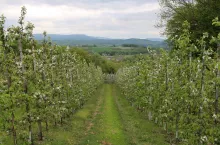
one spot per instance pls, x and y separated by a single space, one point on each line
101 18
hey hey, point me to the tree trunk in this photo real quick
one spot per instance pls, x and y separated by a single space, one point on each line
40 132
25 87
216 85
61 120
202 95
55 122
13 129
46 123
177 126
30 140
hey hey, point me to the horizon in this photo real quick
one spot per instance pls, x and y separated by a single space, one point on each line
100 37
121 19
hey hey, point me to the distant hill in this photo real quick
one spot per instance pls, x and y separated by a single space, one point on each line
81 39
155 39
66 37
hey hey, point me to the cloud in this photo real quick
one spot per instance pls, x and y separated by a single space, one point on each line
107 18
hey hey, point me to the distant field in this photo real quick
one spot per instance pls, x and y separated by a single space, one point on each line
118 50
99 49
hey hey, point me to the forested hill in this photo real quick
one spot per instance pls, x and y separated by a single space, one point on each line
80 39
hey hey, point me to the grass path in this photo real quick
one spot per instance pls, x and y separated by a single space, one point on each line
118 123
106 119
107 128
138 129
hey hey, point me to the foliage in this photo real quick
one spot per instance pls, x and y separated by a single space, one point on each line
107 66
199 13
178 91
39 83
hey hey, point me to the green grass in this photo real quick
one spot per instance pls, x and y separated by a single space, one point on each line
106 119
120 124
73 132
70 133
107 128
138 129
113 125
100 49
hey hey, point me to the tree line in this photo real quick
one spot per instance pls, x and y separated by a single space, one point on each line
199 13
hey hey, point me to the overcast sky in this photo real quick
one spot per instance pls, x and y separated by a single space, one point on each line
104 18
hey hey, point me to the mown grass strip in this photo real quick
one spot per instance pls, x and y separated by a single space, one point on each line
107 129
139 130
